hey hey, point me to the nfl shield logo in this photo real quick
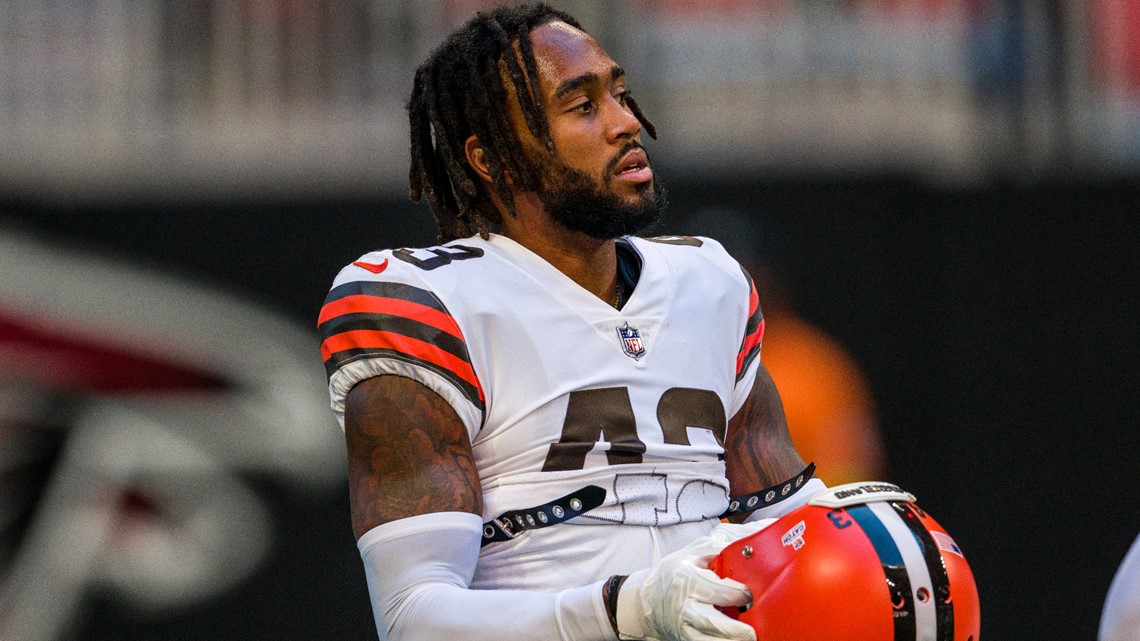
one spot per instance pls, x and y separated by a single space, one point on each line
631 341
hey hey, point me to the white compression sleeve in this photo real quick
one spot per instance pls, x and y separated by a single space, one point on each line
419 570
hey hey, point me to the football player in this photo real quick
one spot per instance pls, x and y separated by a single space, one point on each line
547 416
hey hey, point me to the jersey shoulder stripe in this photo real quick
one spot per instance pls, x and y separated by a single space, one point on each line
369 319
753 331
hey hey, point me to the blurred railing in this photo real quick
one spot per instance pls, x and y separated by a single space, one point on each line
253 98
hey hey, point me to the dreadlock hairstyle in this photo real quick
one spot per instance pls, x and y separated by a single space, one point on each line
459 91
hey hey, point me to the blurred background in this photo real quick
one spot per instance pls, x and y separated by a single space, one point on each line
937 198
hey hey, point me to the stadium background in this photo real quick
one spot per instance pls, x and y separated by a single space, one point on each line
946 187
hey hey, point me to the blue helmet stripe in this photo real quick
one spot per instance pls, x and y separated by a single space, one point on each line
894 570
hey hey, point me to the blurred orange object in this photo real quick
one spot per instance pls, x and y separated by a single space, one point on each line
826 397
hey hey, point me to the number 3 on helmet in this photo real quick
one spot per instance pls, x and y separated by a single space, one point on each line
858 562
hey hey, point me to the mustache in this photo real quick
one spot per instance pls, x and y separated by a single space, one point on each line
626 148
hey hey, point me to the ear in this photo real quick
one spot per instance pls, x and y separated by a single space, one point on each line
477 157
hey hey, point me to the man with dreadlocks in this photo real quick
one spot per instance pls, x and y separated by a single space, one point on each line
546 416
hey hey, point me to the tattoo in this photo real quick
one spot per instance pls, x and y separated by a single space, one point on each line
408 454
759 448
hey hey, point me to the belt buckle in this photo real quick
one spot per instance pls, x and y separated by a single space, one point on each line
506 525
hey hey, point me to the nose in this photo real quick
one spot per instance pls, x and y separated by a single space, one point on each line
623 124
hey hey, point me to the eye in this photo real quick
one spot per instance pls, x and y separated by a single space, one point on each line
623 96
583 107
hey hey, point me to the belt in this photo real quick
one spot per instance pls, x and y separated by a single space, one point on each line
510 524
769 495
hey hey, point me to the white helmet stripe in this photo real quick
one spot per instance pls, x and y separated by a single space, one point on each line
921 585
935 565
894 569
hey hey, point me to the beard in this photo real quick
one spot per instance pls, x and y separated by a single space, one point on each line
580 203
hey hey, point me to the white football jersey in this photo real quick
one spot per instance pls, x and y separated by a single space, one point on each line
559 390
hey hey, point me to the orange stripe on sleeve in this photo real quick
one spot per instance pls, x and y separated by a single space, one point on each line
376 339
750 343
365 304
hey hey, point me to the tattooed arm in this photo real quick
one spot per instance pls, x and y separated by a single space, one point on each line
416 502
759 449
408 454
416 511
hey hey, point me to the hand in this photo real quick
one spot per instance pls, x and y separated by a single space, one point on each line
676 599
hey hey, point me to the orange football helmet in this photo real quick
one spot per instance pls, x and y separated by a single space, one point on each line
858 562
